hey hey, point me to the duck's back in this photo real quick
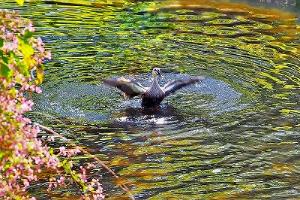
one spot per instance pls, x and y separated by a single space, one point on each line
152 97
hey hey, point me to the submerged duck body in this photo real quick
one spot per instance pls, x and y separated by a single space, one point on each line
153 95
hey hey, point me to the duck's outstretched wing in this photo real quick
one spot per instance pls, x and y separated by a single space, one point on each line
175 85
129 87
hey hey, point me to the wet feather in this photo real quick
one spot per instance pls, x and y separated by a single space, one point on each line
153 95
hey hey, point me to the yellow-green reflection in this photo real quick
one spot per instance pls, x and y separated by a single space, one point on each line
218 144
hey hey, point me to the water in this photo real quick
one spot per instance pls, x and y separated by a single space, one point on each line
233 136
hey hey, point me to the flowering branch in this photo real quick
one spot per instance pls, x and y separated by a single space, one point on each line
81 149
22 153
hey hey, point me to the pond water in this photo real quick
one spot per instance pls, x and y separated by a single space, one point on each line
233 136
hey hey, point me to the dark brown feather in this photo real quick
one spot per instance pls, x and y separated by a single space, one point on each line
175 85
129 87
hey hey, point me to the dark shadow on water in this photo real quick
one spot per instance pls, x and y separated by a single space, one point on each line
159 111
147 118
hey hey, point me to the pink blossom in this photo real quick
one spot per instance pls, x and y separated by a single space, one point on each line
53 162
10 46
38 90
61 180
62 151
90 165
26 183
25 155
30 27
50 139
9 36
26 106
37 160
83 174
48 55
39 42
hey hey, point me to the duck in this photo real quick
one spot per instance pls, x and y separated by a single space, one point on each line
151 96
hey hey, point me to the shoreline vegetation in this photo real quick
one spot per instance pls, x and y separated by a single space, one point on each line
23 155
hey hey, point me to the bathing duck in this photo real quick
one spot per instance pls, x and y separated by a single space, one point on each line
151 96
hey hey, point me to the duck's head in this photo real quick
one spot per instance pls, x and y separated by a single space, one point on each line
156 72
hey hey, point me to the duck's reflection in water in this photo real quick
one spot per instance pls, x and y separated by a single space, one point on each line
163 118
146 118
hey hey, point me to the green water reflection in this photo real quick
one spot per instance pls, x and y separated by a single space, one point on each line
237 134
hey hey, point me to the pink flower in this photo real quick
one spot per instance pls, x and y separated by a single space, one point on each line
90 165
39 42
53 162
26 106
37 160
25 153
10 46
83 174
50 138
30 27
48 55
38 90
61 180
9 36
62 151
26 183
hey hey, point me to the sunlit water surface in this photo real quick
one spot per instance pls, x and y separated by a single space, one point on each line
233 136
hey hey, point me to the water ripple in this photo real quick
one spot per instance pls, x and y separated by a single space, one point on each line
233 136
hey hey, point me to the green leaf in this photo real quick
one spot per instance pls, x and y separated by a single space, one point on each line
27 35
1 155
23 68
5 59
26 49
5 71
1 42
20 2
